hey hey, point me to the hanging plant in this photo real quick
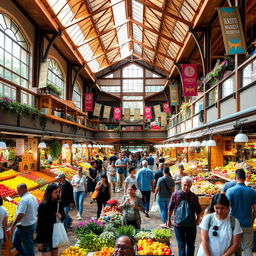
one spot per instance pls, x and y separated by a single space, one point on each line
55 149
184 106
54 89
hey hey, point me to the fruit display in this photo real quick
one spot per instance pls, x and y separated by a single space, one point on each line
74 251
43 176
14 182
69 172
149 247
113 218
160 233
105 251
111 210
5 191
11 209
38 194
205 188
8 174
144 235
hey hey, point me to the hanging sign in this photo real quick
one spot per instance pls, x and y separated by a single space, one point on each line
97 109
43 74
174 96
127 113
88 102
157 109
20 146
232 30
117 113
148 112
137 114
189 78
106 112
166 108
163 119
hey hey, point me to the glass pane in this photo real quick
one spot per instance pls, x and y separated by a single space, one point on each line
228 87
7 75
8 44
1 72
1 39
1 56
248 74
8 60
16 66
16 50
15 79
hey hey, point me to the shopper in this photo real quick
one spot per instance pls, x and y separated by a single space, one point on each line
178 176
113 158
92 178
220 232
131 206
158 175
50 209
79 187
66 197
243 207
185 221
111 174
145 183
104 195
151 162
163 192
105 163
25 222
3 224
227 185
144 158
126 160
99 164
130 180
90 159
124 246
161 159
120 165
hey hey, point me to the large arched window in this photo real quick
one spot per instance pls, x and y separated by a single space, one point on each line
77 96
55 76
14 57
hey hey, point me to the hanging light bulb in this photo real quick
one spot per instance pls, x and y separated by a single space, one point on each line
191 144
197 144
3 145
211 143
84 145
204 143
90 146
42 145
241 137
65 145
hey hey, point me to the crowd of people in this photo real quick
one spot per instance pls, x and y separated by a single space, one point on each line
226 225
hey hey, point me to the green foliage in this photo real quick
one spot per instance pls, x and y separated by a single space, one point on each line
126 230
161 233
55 149
54 89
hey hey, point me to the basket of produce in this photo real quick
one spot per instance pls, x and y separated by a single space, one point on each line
143 234
150 247
162 235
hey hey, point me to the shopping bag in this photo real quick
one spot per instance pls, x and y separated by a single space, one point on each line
95 194
59 235
155 207
138 193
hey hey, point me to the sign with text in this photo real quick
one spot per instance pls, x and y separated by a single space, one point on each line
157 109
117 113
97 109
43 74
232 30
174 96
166 108
88 102
127 113
137 114
148 112
189 78
106 112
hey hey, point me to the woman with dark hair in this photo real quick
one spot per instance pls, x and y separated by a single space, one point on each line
3 224
50 209
104 195
92 178
131 206
220 232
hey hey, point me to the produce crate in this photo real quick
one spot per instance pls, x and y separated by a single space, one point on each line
161 240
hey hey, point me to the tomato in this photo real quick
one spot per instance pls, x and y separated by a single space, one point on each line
140 248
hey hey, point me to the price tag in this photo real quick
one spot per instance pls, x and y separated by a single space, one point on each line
8 198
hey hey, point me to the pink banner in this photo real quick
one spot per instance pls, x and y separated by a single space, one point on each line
88 102
189 78
166 108
117 113
148 112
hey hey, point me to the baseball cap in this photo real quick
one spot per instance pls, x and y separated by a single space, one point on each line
61 175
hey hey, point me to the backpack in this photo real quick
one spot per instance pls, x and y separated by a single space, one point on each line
232 222
184 215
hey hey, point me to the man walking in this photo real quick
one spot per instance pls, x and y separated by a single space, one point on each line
120 165
158 175
145 183
25 222
243 207
151 162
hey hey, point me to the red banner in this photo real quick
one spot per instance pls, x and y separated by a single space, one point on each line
189 78
166 108
117 113
148 112
88 102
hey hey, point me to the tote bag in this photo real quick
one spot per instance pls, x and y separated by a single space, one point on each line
59 234
95 194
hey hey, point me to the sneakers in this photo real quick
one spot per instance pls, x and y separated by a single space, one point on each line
146 213
79 216
117 190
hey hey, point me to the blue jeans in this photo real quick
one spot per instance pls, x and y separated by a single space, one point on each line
163 205
146 200
1 242
79 199
186 237
68 219
23 240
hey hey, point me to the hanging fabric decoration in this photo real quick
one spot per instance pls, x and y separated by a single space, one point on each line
174 96
88 102
148 112
106 112
137 114
163 119
166 108
127 114
117 113
157 109
189 78
97 109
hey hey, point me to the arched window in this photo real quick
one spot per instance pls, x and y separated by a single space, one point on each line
14 57
77 96
55 76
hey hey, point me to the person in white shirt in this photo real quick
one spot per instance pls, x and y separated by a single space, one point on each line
3 223
220 232
25 222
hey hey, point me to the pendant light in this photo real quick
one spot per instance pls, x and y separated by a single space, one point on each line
211 143
3 145
65 145
42 145
204 143
84 145
197 144
186 144
241 137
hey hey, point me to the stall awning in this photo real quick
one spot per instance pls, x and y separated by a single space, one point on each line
228 127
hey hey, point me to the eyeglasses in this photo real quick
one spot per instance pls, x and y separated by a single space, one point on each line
215 228
122 247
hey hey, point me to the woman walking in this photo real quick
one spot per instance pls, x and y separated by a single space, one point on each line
178 176
92 178
111 174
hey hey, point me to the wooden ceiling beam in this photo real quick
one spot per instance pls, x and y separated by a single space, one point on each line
128 12
157 33
145 36
175 17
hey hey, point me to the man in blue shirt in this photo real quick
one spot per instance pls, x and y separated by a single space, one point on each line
158 175
227 185
120 165
151 162
145 183
243 207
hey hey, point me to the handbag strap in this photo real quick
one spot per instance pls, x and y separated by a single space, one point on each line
58 206
167 187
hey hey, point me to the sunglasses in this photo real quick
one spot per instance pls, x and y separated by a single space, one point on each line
215 228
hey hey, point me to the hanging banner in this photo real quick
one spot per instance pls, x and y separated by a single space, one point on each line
88 102
127 113
106 112
163 119
232 30
174 96
189 78
117 113
20 147
137 114
166 108
43 74
157 109
148 112
97 109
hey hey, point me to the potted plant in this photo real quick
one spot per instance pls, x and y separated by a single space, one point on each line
52 89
